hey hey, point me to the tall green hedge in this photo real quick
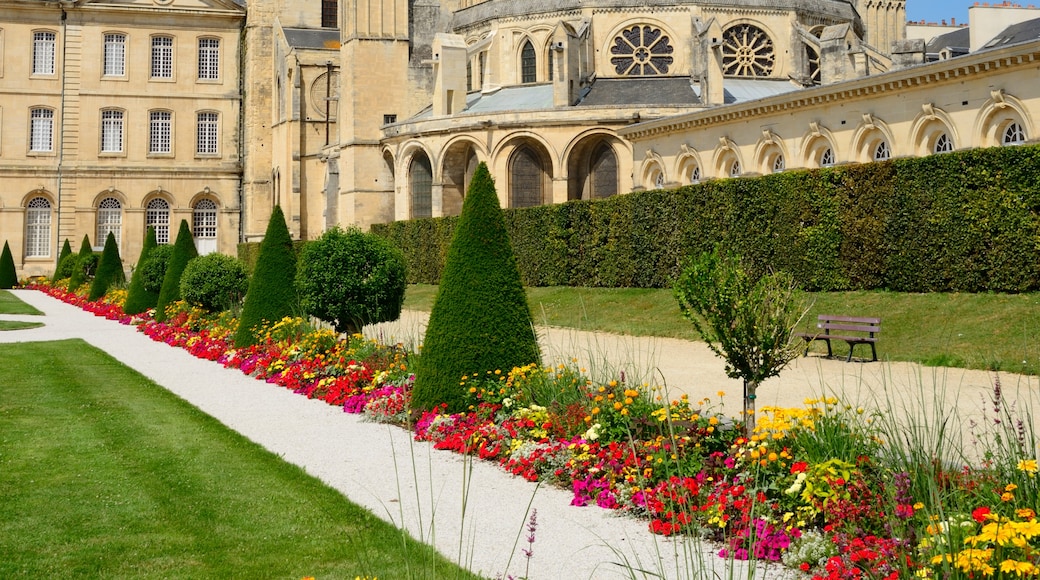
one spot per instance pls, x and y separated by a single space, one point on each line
272 288
964 221
8 273
63 267
85 264
109 271
138 297
183 251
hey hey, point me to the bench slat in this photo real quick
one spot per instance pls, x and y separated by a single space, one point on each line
860 328
835 318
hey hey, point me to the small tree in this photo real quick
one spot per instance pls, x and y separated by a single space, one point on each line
272 290
183 251
154 270
63 267
214 282
139 299
8 273
351 278
109 270
746 321
480 319
85 264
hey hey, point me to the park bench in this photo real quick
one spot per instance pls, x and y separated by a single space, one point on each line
852 329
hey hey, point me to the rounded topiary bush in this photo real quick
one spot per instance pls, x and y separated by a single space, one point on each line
214 282
350 278
154 269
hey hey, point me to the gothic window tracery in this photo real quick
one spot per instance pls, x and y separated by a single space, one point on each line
641 51
747 51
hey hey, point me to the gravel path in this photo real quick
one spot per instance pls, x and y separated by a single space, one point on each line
473 512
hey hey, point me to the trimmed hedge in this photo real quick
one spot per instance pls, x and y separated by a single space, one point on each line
964 221
183 252
86 262
214 282
138 297
65 262
272 287
109 271
8 273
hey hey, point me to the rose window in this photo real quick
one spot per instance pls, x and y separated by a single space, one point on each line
747 51
641 51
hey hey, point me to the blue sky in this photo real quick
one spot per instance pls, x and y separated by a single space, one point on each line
939 10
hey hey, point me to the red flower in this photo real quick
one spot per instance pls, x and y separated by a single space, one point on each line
799 467
804 566
980 514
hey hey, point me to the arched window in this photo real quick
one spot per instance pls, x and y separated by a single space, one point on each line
827 158
528 64
109 219
943 144
38 228
603 169
204 226
1014 135
526 178
747 51
157 215
778 163
734 169
882 151
694 174
421 176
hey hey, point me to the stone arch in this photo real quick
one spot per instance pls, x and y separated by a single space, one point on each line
459 160
594 166
996 114
527 61
816 143
652 173
871 135
420 184
159 203
771 154
727 161
110 192
688 166
928 129
529 175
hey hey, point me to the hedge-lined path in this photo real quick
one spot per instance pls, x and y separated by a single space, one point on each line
357 458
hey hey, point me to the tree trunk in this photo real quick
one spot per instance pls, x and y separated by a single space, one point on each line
749 407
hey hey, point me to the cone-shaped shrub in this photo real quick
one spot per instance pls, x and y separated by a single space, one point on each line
138 298
480 320
109 271
272 292
183 251
350 278
8 274
63 268
84 265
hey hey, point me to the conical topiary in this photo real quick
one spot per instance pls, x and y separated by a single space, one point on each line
109 271
272 291
138 298
480 320
83 260
8 274
66 251
183 251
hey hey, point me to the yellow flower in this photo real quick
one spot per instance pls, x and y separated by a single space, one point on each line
1019 568
1027 465
721 393
1025 513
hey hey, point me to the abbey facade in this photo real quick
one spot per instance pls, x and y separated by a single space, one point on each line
118 115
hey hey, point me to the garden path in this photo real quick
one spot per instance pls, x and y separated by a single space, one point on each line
474 512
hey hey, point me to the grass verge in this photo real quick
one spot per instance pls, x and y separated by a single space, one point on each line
10 304
977 331
18 325
106 474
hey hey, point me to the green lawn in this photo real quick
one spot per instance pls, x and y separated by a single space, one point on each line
17 325
105 474
10 304
982 331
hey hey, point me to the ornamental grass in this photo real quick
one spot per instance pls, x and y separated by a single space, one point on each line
836 489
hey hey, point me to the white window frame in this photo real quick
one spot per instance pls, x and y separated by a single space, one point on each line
109 219
44 51
204 219
112 131
209 59
38 228
882 152
160 132
41 130
1013 134
162 58
207 133
827 158
943 144
114 55
157 215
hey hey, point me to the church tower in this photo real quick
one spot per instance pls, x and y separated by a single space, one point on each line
884 21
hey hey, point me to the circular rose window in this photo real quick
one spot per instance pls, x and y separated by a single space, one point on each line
641 51
747 51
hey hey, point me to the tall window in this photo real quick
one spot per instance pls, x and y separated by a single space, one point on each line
943 144
159 131
204 226
328 14
109 219
157 215
209 59
1014 135
603 169
527 178
43 53
421 177
162 57
882 151
115 55
41 130
528 64
111 131
206 134
38 228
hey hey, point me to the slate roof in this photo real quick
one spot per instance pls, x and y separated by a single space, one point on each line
1016 33
957 42
640 91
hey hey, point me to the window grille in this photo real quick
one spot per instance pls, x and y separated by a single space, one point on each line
162 57
527 178
41 130
38 228
157 215
604 170
528 64
641 51
421 175
43 53
111 131
115 55
206 134
779 164
1014 135
159 131
204 219
734 169
109 219
329 11
943 144
209 59
827 158
747 51
882 151
695 174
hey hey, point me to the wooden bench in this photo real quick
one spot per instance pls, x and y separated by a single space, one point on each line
852 329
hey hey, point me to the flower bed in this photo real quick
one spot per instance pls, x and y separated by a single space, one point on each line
818 488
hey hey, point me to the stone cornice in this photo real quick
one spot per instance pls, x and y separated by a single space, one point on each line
1025 54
